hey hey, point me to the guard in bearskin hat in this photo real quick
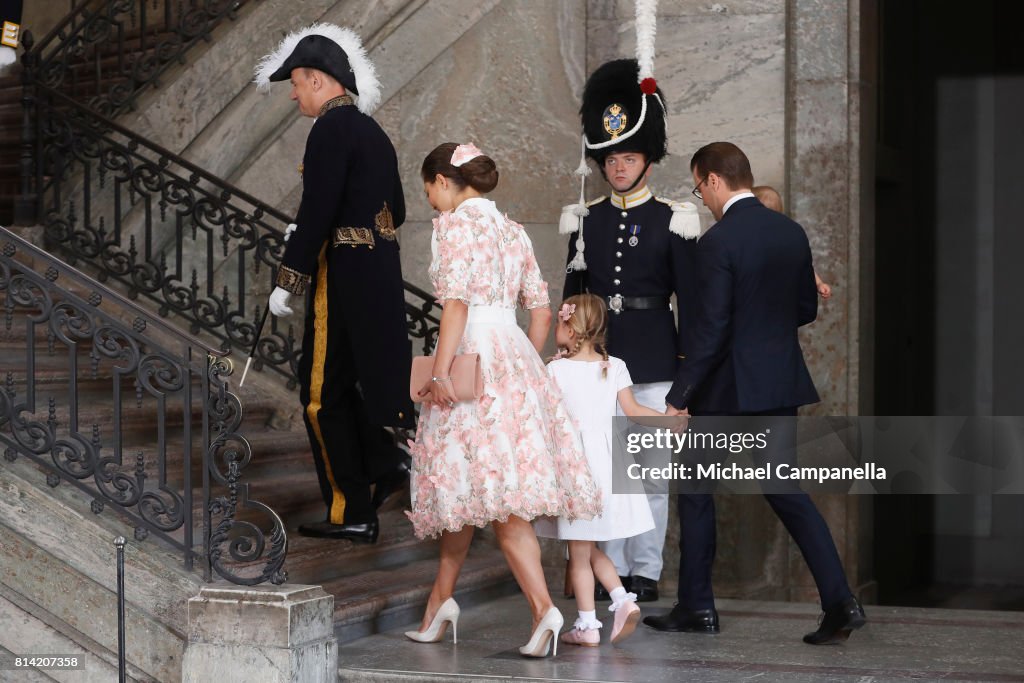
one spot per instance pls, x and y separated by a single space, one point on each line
356 355
635 250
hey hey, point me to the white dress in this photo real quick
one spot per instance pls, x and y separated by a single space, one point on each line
591 399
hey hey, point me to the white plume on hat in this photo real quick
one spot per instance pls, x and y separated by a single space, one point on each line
362 68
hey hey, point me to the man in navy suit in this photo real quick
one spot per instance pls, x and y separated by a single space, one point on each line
755 285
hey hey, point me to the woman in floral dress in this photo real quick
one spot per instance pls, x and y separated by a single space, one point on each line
512 455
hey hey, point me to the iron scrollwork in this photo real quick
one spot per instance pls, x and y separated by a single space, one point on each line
71 410
172 233
110 52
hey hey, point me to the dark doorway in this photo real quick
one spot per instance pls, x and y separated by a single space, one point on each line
949 333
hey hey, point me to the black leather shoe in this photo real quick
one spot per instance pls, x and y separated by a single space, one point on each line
391 484
837 623
601 595
366 532
688 621
646 589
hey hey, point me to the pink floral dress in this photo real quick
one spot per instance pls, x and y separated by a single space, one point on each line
514 451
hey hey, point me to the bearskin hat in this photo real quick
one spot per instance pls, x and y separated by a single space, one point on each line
616 108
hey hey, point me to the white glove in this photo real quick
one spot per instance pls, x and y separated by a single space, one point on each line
279 302
289 230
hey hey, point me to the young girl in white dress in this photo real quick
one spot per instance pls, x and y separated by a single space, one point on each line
592 382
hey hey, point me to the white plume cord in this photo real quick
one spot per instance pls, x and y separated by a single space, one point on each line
646 28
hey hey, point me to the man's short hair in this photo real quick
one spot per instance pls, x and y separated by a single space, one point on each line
725 159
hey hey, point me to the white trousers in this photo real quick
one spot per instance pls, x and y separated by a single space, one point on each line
642 555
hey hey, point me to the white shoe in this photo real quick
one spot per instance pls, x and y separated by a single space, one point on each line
447 612
544 635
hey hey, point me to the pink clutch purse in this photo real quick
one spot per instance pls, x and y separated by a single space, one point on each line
467 381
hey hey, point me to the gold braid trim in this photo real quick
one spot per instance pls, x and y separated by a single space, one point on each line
353 237
385 224
339 101
292 280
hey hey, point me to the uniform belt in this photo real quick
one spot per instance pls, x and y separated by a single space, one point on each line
618 303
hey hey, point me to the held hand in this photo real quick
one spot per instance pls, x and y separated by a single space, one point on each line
289 230
442 392
279 302
680 421
682 418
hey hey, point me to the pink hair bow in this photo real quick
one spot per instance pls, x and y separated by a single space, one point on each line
566 312
464 153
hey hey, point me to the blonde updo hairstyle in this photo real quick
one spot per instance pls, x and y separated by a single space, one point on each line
589 323
480 173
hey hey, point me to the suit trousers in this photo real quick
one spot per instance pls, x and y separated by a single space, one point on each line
348 450
797 512
642 555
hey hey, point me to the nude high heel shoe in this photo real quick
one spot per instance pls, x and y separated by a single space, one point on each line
544 635
447 612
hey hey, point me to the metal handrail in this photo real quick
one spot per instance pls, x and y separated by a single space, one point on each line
87 37
110 353
161 152
172 232
69 272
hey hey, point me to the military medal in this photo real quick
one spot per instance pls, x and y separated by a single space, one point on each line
634 230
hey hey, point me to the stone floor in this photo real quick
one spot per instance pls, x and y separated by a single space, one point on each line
759 640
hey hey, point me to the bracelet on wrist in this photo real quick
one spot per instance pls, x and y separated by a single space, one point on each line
441 379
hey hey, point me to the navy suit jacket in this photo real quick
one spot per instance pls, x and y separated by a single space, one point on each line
755 288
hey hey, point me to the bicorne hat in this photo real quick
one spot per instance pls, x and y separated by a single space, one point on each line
332 49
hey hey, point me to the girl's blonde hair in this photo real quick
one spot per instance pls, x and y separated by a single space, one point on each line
589 323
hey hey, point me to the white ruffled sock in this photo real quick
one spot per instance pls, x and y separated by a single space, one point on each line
587 620
619 598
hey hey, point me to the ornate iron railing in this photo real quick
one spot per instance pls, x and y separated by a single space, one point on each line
105 53
127 408
169 231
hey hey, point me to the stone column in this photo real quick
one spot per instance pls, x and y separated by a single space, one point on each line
829 169
261 633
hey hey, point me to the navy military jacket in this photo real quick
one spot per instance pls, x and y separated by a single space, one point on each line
651 342
352 202
756 284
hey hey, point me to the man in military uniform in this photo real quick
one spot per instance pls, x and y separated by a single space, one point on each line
356 355
638 252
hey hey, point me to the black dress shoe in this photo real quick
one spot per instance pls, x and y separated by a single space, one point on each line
688 621
365 533
646 589
837 623
392 483
601 595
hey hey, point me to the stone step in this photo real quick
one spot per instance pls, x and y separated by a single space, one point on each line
138 424
60 557
316 559
377 600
